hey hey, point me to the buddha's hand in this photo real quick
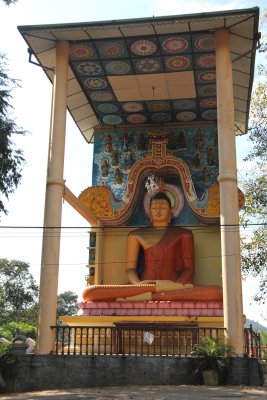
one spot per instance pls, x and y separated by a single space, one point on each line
168 286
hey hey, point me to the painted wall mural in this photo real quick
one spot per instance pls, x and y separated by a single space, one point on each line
183 159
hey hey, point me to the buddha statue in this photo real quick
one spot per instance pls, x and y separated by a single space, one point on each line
168 267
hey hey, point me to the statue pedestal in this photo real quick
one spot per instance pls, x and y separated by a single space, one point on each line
152 308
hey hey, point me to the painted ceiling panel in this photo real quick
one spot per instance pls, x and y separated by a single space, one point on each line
151 70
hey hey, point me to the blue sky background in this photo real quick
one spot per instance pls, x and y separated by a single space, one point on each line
32 103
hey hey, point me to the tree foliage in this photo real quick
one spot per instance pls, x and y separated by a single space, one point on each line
9 2
18 292
67 303
254 186
11 158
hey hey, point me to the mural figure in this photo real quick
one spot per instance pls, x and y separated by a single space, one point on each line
115 158
181 140
205 175
210 155
128 161
169 267
108 144
118 176
199 139
105 168
196 160
141 145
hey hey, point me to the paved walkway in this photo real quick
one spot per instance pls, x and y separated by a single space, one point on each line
180 392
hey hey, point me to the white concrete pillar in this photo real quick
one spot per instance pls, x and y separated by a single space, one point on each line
230 239
53 204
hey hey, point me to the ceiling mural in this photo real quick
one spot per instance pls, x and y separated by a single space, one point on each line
150 79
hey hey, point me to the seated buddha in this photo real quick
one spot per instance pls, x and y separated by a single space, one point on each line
168 267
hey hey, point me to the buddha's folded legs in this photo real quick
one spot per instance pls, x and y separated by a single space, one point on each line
113 292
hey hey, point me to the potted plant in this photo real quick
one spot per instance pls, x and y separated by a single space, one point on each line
214 356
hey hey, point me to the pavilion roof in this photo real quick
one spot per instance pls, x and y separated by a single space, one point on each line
147 71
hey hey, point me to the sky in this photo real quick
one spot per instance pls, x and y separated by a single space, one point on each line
32 104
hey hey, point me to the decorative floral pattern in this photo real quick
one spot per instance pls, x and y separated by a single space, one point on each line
81 51
112 119
132 106
205 42
206 61
118 67
161 117
209 90
208 103
99 63
112 50
95 83
101 96
108 108
89 68
209 76
209 115
175 45
184 104
186 116
143 47
148 65
177 63
136 118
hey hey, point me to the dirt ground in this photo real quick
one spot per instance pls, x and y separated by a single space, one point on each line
181 392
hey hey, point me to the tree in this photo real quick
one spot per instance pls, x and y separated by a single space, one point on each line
11 158
254 185
9 2
18 292
67 303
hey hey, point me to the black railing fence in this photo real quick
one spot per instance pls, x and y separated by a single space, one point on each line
131 340
142 340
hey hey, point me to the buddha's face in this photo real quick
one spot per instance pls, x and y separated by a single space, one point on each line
160 212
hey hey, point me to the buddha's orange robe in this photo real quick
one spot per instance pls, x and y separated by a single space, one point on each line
170 256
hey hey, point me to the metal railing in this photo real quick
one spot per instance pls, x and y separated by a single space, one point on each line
130 340
253 346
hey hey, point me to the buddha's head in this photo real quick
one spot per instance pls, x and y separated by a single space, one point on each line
160 209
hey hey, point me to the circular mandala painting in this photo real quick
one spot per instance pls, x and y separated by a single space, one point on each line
143 47
209 76
184 104
186 116
206 61
175 44
101 96
95 83
112 50
148 65
89 68
136 118
208 90
81 51
118 67
107 108
208 103
158 106
177 63
132 106
161 117
112 119
209 115
206 43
